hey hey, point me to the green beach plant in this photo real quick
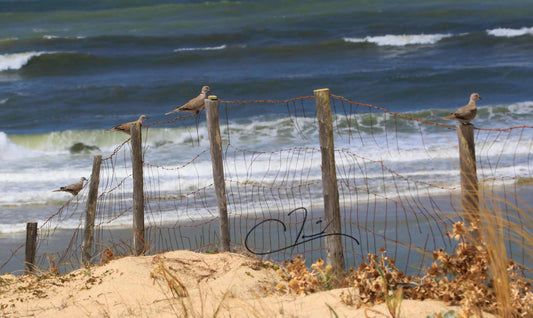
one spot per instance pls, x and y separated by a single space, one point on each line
393 297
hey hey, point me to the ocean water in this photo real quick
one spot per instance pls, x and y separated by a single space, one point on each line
69 70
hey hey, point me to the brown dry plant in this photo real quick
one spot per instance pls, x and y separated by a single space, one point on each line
461 278
107 256
52 265
298 279
176 287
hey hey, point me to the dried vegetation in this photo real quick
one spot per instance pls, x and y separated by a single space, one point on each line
460 278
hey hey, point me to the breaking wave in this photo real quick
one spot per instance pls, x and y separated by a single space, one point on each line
401 40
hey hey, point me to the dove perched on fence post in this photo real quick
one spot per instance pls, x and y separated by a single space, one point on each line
195 105
125 128
74 188
466 113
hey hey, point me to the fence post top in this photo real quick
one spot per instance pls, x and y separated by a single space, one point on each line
212 97
321 90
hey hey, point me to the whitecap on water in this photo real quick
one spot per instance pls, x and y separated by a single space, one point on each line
401 39
509 33
17 60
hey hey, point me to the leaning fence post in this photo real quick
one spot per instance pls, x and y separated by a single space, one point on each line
139 246
334 252
90 211
469 182
31 246
213 127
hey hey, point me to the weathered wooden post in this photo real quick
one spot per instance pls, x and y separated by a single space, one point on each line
469 182
213 128
139 245
90 211
31 246
334 252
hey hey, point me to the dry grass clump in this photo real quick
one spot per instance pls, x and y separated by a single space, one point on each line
162 273
462 278
107 256
374 279
298 279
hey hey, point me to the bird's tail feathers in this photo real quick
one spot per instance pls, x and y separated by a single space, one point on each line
450 117
175 110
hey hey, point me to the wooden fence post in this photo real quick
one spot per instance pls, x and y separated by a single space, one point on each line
334 251
31 246
213 127
139 245
90 211
469 182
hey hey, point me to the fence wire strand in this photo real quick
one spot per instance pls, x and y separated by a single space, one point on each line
404 206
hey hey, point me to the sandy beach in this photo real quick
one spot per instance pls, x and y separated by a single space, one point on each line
216 285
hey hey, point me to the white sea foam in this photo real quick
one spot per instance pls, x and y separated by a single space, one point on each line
17 60
9 150
49 164
51 37
209 48
509 33
19 227
400 40
523 108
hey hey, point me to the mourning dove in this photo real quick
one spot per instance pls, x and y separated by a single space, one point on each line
195 105
466 113
74 188
125 128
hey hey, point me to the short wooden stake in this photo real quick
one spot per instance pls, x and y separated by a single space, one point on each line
213 127
90 211
334 251
31 246
139 245
469 182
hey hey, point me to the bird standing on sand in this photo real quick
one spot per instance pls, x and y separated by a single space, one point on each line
466 113
195 105
74 188
125 128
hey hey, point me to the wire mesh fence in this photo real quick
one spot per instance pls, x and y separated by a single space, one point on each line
398 179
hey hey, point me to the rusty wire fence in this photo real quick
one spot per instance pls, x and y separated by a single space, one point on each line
398 180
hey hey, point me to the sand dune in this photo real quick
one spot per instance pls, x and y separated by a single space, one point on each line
196 285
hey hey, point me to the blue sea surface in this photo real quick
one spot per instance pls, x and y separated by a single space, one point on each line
86 65
69 70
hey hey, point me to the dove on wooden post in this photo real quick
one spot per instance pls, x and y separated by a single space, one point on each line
468 112
195 105
74 188
125 128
